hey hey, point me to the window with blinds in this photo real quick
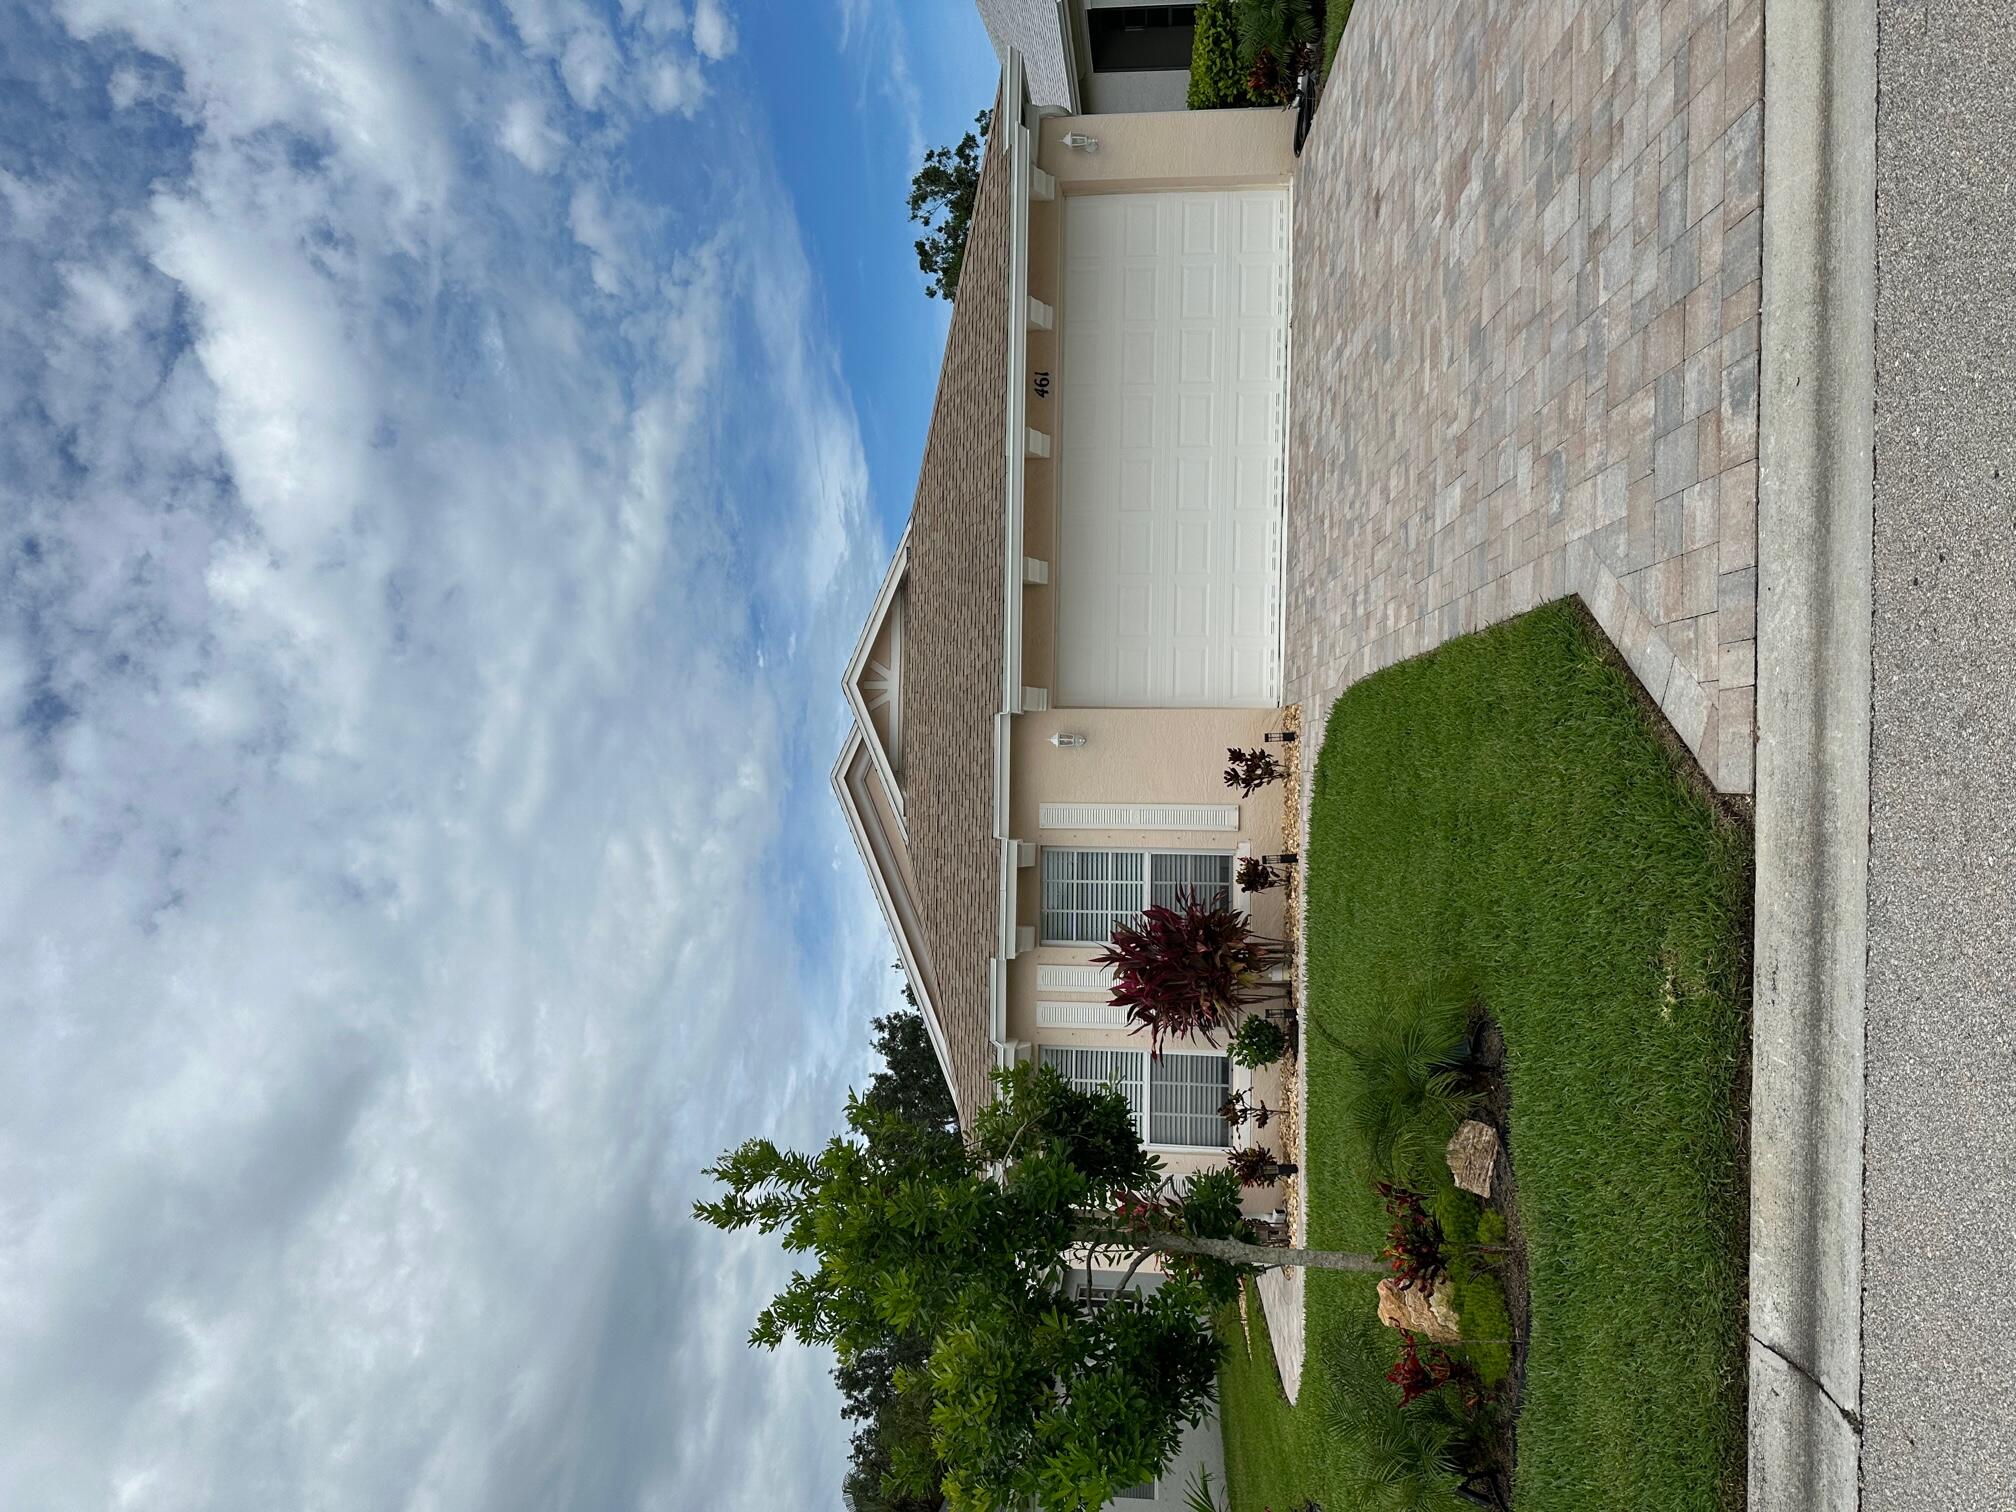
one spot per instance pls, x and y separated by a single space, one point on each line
1185 1093
1088 1068
1175 1100
1086 893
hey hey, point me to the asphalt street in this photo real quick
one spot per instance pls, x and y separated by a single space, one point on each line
1939 1305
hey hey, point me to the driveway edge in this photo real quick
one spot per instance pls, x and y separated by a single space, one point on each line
1815 515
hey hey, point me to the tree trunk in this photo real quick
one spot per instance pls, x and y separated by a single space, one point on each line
1233 1251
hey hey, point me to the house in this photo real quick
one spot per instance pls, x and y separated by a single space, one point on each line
1097 57
1085 611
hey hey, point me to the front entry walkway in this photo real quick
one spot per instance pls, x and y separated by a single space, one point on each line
1526 264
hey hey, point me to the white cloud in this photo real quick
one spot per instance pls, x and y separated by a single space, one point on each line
713 32
404 846
675 84
874 32
529 137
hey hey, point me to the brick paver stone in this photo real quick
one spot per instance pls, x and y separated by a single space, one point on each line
1527 258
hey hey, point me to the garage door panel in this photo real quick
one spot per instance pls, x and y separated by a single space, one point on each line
1169 475
1140 292
1197 361
1199 284
1201 215
1137 421
1138 358
1252 547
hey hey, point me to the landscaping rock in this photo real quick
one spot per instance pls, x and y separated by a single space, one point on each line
1473 1156
1418 1313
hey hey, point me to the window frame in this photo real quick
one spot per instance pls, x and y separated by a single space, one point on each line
1144 1121
1148 855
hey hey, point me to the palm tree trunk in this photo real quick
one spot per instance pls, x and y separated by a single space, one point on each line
1232 1251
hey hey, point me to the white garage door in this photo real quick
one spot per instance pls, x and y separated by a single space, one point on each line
1169 453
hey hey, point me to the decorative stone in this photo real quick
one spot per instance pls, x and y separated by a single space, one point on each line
1473 1156
1418 1313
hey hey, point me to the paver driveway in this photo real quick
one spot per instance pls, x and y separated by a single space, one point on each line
1527 260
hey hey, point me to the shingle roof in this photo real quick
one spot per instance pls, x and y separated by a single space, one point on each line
952 633
1036 28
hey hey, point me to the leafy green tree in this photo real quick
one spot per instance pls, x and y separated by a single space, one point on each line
1034 1396
945 187
911 1084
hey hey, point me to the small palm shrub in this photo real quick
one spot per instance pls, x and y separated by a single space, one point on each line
1257 1042
1407 1092
1192 970
1278 39
1393 1458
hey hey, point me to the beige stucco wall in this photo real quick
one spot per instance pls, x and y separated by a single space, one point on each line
1171 149
1133 756
1138 756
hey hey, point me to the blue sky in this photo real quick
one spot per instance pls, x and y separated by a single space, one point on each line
446 450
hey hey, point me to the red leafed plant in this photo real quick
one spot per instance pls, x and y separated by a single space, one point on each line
1194 969
1417 1374
1252 770
1256 875
1256 1166
1236 1110
1414 1242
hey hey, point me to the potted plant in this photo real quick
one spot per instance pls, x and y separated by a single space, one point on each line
1191 970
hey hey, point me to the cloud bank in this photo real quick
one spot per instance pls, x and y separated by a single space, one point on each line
429 512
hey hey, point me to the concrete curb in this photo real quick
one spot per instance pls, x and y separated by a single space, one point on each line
1814 532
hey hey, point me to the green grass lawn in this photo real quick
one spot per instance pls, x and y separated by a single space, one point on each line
1505 811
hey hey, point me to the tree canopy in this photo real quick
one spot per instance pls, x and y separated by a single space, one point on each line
911 1083
941 200
1035 1396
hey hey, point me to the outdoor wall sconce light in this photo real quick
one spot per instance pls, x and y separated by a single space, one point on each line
1065 742
1077 141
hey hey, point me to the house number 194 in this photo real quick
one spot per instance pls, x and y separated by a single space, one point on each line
1041 382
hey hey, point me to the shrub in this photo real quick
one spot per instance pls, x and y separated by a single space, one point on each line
1457 1213
1255 1166
1413 1242
1216 79
1236 1110
1256 875
1257 1042
1406 1096
1252 770
1192 970
1393 1457
1491 1227
1277 40
1486 1322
